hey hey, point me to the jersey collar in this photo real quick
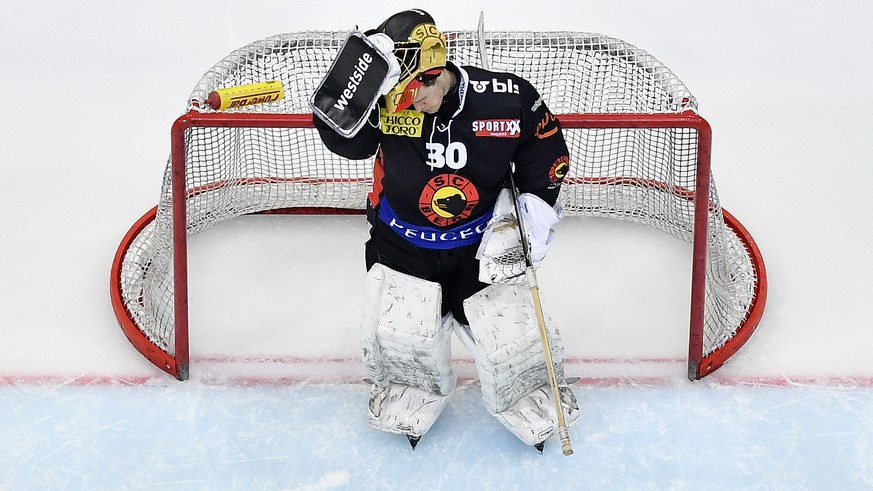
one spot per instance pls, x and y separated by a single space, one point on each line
463 85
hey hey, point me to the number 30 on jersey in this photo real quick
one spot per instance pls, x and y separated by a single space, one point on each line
453 156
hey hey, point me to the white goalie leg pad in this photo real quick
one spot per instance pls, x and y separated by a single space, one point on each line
407 351
532 419
504 339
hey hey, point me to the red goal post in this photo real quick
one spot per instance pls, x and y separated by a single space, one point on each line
639 152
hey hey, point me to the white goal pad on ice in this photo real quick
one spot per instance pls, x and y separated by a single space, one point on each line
639 151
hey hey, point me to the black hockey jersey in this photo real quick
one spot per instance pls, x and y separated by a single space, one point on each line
437 176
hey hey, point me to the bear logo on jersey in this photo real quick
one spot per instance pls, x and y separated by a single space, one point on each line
447 199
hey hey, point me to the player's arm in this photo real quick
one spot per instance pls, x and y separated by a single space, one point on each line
540 164
361 146
542 160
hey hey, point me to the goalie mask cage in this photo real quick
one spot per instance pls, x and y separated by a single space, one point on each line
638 150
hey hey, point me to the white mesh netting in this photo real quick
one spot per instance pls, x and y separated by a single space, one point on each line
645 175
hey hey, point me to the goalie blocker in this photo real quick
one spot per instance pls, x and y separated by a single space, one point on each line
353 84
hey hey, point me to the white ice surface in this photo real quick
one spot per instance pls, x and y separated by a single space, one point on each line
90 90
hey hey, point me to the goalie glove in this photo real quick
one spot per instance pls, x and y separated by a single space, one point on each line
364 70
500 254
385 45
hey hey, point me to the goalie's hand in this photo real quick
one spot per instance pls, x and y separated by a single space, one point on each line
501 254
385 45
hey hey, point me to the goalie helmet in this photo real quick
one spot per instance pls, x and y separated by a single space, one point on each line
420 50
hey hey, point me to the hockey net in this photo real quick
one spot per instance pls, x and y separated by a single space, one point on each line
638 149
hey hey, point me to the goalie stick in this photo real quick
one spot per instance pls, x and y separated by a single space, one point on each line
486 64
530 274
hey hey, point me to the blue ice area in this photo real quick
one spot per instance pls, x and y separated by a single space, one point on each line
196 436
